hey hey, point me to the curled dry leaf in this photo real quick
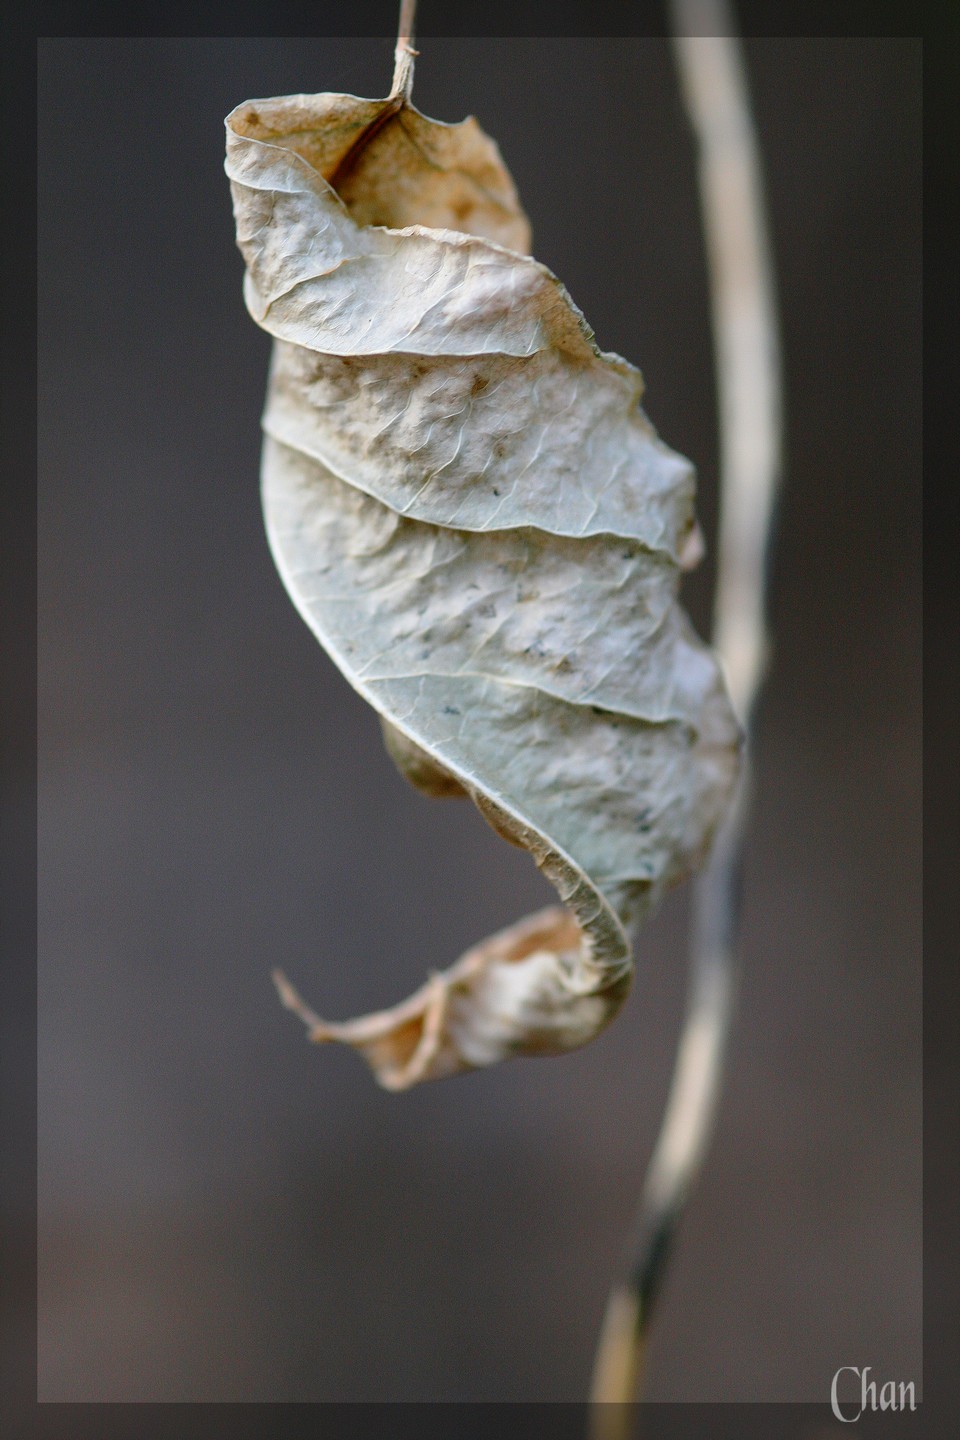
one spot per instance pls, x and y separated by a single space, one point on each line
475 517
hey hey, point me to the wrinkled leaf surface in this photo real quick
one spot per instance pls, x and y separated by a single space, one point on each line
473 514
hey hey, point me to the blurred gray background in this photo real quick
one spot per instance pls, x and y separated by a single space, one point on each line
227 1213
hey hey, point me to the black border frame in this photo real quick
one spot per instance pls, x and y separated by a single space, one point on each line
939 26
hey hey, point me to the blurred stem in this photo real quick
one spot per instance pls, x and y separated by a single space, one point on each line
746 346
404 54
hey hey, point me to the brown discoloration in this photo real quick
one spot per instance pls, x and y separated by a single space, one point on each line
417 1039
421 769
394 167
391 109
497 818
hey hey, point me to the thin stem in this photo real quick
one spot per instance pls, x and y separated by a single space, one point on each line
404 54
749 390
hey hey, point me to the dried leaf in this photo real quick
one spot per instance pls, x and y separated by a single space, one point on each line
477 520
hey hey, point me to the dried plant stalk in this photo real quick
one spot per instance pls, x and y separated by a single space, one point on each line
746 339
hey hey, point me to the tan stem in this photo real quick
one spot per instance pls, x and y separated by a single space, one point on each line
404 54
749 392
